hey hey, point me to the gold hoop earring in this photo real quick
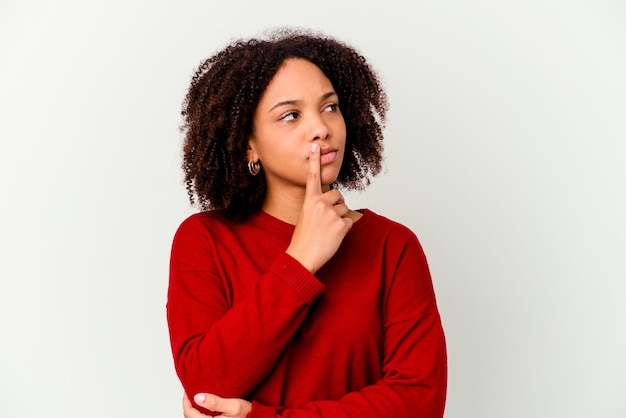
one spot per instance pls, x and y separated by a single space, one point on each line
254 167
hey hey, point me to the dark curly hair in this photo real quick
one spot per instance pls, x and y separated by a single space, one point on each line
221 101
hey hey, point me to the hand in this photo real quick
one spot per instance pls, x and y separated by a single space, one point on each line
322 223
227 407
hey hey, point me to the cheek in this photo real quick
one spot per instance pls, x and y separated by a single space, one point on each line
279 156
340 129
341 137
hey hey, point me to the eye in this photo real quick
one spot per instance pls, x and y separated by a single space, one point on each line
290 116
333 107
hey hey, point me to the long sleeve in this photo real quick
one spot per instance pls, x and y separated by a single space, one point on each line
414 369
362 338
222 342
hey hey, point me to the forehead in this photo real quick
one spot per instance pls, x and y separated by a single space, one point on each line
297 76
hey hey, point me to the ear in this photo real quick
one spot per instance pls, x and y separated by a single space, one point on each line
252 154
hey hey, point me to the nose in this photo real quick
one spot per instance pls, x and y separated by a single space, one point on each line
319 128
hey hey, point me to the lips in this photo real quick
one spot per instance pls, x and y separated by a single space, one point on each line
328 155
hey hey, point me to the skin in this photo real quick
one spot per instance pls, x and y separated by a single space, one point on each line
299 136
228 408
298 107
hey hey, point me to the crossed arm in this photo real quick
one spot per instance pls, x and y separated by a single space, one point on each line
412 363
228 349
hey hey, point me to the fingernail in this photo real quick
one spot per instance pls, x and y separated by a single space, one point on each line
199 398
314 147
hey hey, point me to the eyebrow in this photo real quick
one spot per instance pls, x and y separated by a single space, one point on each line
293 102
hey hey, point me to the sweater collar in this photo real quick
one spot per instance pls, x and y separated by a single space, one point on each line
267 221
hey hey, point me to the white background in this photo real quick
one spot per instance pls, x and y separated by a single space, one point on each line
505 154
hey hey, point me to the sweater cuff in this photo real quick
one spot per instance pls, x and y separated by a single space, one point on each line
305 284
261 411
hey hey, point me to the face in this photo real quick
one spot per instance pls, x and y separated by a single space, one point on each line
298 107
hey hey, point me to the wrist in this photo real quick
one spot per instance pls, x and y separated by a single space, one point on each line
302 259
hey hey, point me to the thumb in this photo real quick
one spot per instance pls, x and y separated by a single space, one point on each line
208 401
214 403
314 182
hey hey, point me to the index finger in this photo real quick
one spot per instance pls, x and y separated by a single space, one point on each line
314 181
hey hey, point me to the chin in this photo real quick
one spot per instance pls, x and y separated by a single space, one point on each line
328 180
329 174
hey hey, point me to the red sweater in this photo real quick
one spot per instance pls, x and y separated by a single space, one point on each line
360 338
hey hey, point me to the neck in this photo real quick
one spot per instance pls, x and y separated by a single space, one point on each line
286 204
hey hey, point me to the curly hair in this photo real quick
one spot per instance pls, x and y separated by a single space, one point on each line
224 93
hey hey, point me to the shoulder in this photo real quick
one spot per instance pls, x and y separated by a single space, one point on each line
375 223
392 237
202 219
199 237
201 226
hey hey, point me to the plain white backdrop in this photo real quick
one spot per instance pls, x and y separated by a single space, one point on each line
505 154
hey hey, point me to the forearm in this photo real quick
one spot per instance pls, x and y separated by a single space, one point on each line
229 350
413 385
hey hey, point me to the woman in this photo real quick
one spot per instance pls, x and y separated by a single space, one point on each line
282 300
